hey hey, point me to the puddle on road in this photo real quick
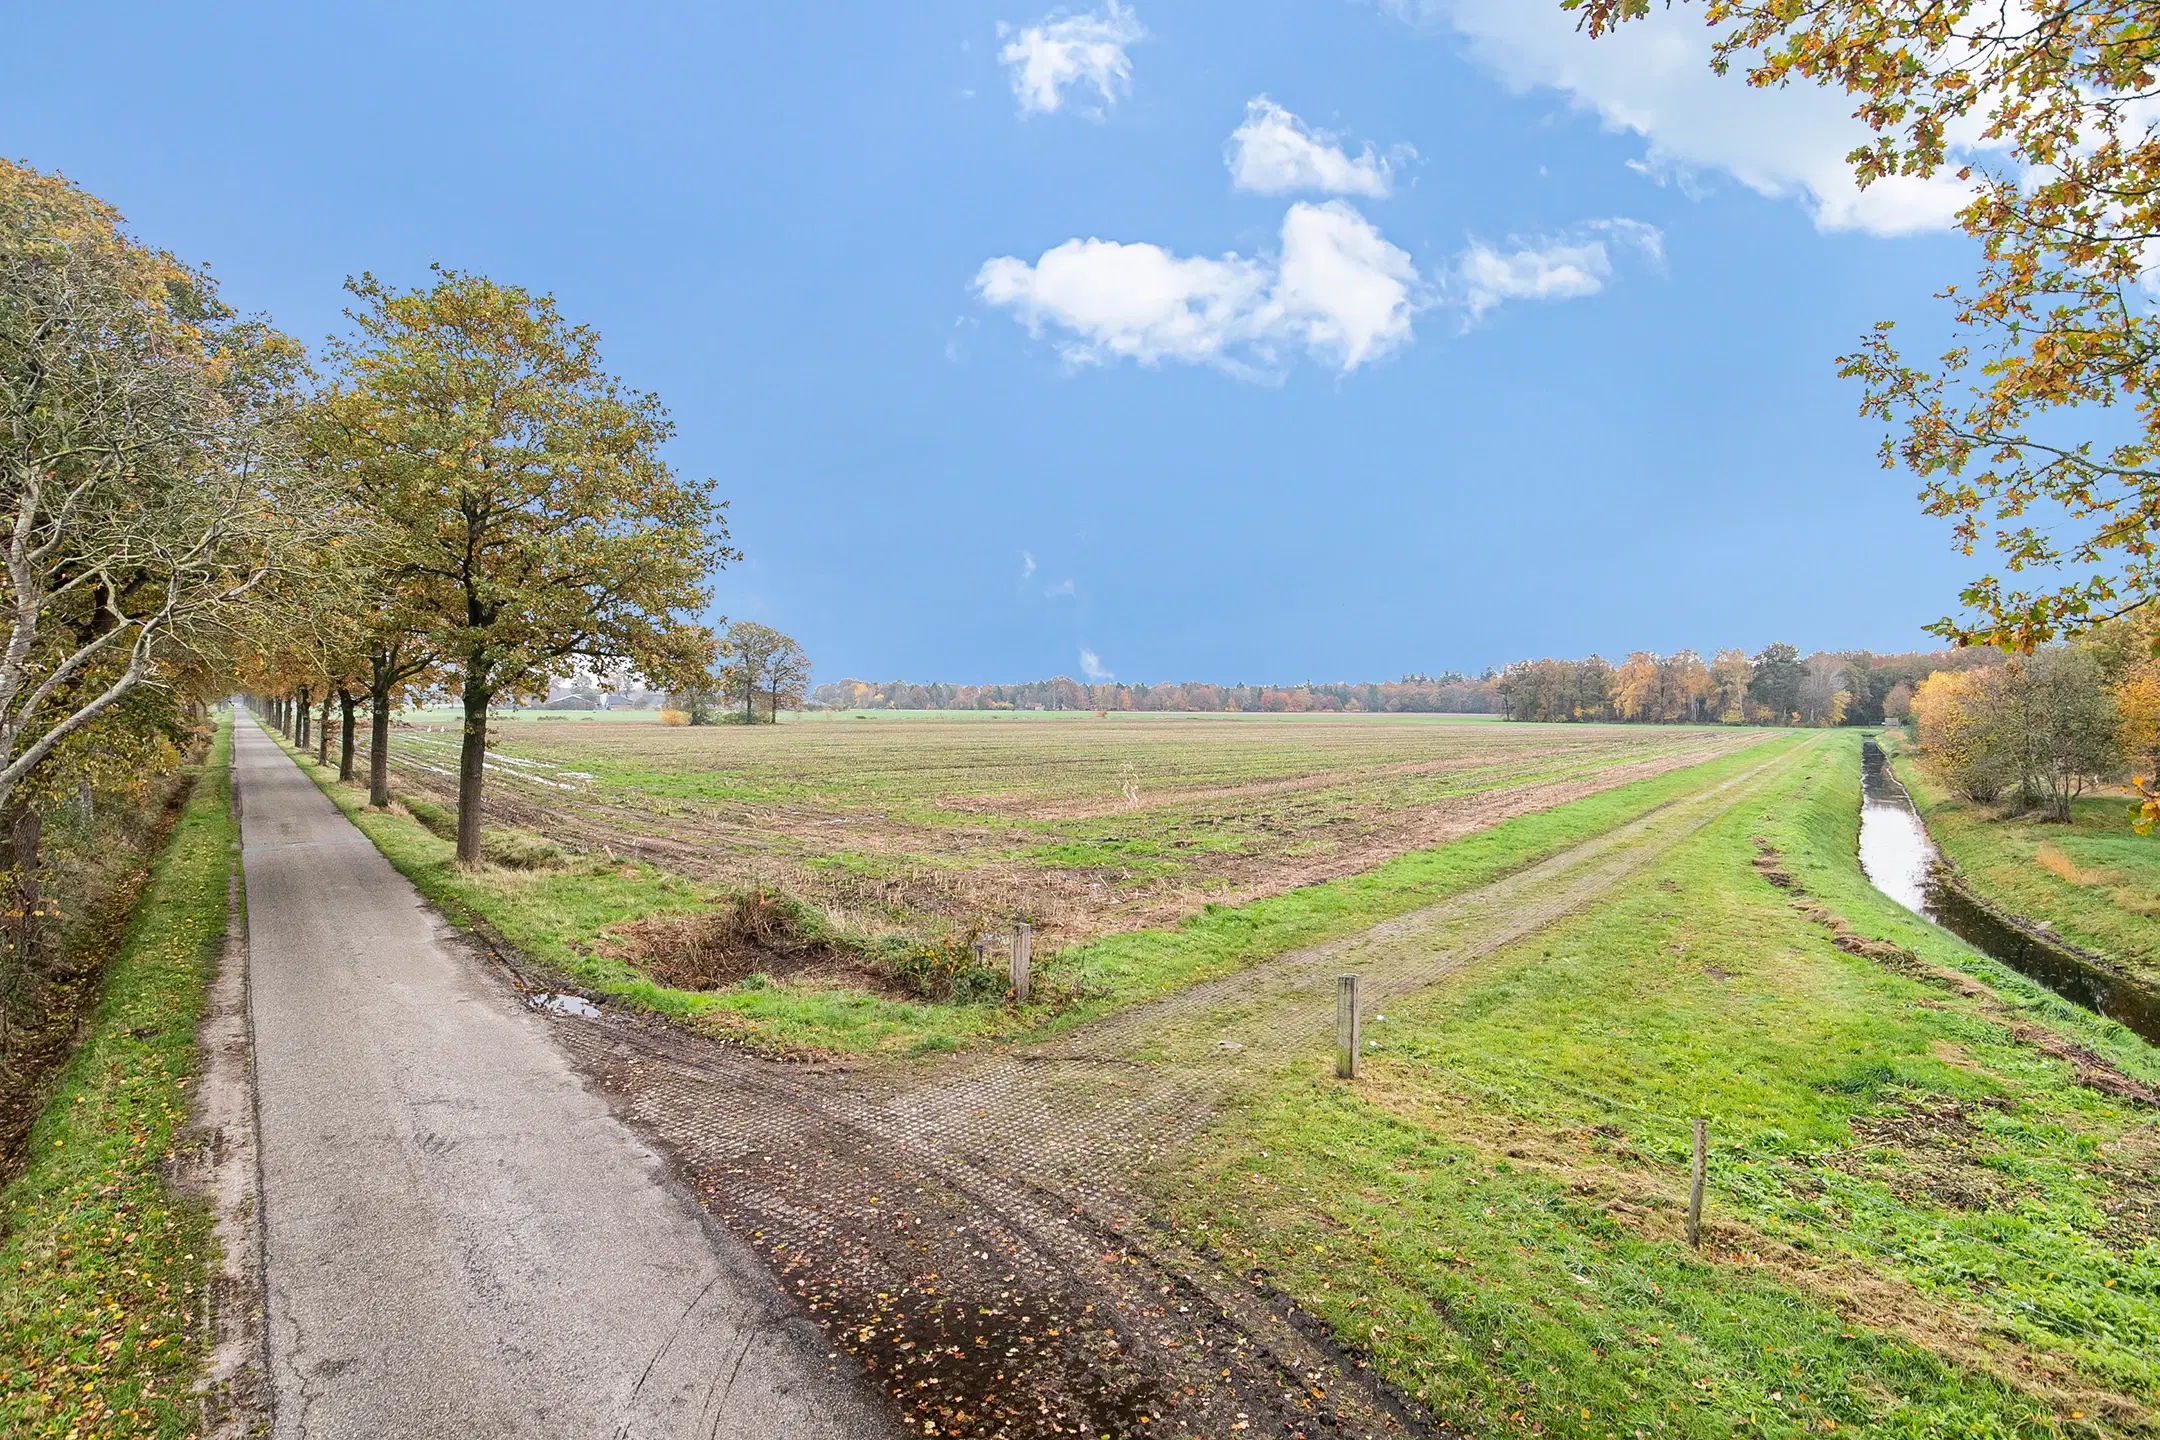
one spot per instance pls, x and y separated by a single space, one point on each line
1898 857
564 1004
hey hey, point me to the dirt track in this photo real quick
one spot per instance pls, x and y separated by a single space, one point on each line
977 1230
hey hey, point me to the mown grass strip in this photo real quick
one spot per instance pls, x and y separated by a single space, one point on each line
556 919
102 1266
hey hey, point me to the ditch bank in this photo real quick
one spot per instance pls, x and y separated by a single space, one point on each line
1901 861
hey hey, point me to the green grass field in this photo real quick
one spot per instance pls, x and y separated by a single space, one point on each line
2095 879
1919 1224
102 1266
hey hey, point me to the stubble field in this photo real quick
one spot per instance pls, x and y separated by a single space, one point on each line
931 824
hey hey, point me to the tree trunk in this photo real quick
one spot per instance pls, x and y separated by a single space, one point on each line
298 733
22 932
322 743
378 785
348 703
472 770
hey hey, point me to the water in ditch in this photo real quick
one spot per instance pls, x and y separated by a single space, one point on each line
1902 862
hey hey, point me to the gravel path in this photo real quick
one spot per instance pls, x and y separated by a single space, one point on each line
460 1238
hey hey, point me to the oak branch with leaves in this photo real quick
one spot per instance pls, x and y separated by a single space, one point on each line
2037 432
530 517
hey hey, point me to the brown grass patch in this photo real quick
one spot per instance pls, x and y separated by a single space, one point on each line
2061 866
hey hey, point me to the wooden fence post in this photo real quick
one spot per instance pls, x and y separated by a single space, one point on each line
1346 1027
1023 936
1695 1188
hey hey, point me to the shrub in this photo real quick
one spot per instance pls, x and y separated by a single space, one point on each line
947 970
672 716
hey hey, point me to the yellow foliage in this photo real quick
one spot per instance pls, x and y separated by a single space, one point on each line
674 717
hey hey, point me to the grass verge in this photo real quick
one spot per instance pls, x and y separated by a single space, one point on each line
1920 1223
102 1267
557 919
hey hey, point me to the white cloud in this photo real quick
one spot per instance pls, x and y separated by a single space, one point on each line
1343 290
1060 53
1653 77
1027 564
1091 666
1275 153
1337 289
1062 590
1549 268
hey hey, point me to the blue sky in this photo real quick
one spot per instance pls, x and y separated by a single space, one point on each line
1524 344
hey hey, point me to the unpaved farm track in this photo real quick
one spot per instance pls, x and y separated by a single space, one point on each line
976 1230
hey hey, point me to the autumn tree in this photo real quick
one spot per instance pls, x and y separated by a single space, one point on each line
1635 687
787 677
746 651
1823 695
150 484
2044 724
1730 674
1775 685
1951 721
701 700
533 520
2037 431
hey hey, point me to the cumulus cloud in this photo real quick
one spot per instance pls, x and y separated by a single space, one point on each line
1337 290
1091 666
1061 53
1653 78
1276 153
1549 268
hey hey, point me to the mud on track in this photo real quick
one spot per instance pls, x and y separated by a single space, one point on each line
977 1231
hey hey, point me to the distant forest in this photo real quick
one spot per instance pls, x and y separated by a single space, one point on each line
1778 686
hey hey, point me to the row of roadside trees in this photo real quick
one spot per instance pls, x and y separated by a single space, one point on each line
456 496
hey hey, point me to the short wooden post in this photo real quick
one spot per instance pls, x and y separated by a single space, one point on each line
1346 1027
1695 1186
982 952
1023 936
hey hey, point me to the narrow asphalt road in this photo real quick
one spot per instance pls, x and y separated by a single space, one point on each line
460 1239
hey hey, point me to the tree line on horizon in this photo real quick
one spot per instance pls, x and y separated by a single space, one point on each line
1449 693
1777 686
